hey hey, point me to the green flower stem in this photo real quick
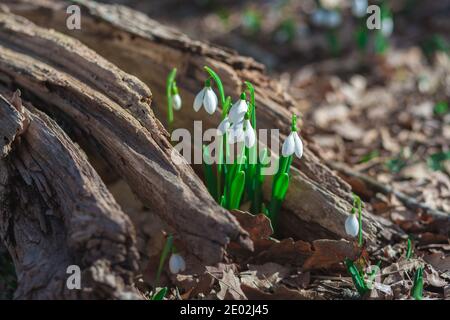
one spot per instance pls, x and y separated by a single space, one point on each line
209 174
252 108
280 185
223 145
256 200
166 250
169 88
237 189
362 35
218 82
360 235
232 171
251 154
333 42
358 203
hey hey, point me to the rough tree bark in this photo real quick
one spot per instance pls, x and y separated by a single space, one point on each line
318 201
57 212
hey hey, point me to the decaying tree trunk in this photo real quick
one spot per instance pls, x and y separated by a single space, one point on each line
57 212
107 112
317 202
99 104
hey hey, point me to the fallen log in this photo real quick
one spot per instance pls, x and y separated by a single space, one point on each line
318 201
56 212
99 105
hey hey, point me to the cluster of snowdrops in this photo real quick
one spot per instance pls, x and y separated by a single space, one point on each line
238 180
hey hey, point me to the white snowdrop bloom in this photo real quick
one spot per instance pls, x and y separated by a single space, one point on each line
387 26
223 126
288 147
318 17
359 8
333 19
352 225
292 144
249 134
236 133
176 101
207 98
176 263
238 110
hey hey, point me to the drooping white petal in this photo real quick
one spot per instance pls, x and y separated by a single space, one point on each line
249 134
236 133
176 101
298 145
238 111
210 101
198 101
288 146
176 263
223 126
352 225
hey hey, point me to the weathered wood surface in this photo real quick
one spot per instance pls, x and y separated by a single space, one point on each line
318 201
55 212
99 104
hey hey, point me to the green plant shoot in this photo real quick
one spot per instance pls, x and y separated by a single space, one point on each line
417 290
409 250
169 96
160 294
166 250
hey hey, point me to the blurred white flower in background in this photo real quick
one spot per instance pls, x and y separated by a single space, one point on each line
359 8
387 26
330 4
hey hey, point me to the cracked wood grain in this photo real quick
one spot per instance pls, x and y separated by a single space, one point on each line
57 212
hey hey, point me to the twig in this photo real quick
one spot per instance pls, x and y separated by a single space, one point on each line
386 189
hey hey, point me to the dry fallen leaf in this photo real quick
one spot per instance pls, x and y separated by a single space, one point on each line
328 253
230 287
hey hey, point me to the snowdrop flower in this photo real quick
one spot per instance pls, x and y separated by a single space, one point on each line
176 102
387 26
176 263
238 110
223 126
176 99
207 98
352 225
318 17
249 134
359 8
293 143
